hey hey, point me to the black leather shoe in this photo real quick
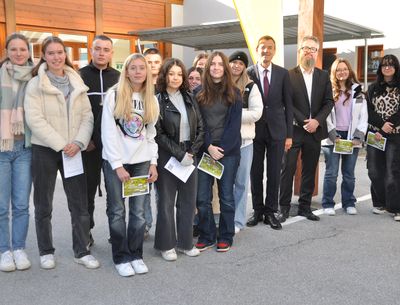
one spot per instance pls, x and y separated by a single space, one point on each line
270 219
283 214
309 215
255 219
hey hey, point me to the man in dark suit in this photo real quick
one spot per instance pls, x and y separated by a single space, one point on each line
273 132
312 103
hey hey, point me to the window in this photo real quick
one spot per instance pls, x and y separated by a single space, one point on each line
375 53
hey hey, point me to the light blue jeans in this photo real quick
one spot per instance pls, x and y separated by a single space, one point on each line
242 185
15 187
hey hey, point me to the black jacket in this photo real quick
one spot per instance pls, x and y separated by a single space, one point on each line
168 126
98 81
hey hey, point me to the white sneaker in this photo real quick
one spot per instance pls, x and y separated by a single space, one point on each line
330 211
88 261
139 266
7 262
351 211
237 229
21 260
125 269
378 210
47 261
396 217
192 252
169 255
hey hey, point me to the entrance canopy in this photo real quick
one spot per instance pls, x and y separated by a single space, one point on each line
229 35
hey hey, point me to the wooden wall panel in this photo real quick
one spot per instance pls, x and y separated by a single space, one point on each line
62 14
2 16
121 16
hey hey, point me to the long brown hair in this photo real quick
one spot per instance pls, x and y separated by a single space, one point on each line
210 91
48 40
162 79
349 81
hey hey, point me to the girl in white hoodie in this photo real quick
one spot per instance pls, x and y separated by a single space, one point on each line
130 113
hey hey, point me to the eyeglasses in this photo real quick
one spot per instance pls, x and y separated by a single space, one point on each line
309 49
342 70
387 66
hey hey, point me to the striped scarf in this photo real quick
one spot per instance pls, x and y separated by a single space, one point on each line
13 81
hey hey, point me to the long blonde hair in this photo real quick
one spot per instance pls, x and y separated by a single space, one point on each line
123 104
242 81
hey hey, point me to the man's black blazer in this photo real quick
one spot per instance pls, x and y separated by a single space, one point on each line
321 101
278 109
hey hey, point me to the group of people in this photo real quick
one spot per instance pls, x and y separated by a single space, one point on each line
132 123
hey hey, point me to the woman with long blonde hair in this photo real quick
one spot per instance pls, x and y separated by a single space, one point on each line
130 113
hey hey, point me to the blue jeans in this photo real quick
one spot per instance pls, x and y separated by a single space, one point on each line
332 161
148 214
242 185
127 243
207 227
15 186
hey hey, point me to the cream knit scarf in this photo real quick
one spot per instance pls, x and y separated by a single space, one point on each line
13 81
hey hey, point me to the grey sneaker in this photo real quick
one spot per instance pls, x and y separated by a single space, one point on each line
378 210
7 262
47 261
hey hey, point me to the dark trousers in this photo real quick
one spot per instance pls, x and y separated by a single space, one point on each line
172 191
384 173
45 164
265 147
310 150
92 161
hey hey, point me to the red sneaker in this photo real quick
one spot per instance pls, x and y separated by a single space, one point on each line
223 247
203 246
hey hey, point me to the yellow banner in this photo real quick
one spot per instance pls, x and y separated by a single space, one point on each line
259 18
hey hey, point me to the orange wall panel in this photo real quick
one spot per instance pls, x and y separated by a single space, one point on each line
67 14
121 16
2 16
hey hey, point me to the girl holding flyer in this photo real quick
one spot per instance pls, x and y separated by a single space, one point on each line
180 135
130 113
221 106
347 121
384 121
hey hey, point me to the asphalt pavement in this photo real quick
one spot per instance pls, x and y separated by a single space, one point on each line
340 260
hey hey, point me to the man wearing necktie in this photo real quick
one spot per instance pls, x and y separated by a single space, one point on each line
273 132
312 103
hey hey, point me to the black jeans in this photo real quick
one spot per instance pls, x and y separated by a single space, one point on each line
171 190
45 165
384 173
93 163
310 150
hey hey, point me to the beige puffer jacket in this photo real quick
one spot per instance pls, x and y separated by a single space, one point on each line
47 115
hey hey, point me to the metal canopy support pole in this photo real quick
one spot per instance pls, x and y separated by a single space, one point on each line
365 64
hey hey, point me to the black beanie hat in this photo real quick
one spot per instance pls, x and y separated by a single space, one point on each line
239 55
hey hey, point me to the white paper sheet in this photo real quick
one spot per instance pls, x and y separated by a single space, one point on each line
177 169
73 166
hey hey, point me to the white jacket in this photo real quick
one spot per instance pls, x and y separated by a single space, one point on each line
359 118
251 115
118 148
52 124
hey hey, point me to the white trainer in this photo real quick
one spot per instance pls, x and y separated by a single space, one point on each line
396 217
21 260
237 229
169 255
330 211
378 210
47 261
192 252
88 261
351 211
7 262
125 269
139 266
